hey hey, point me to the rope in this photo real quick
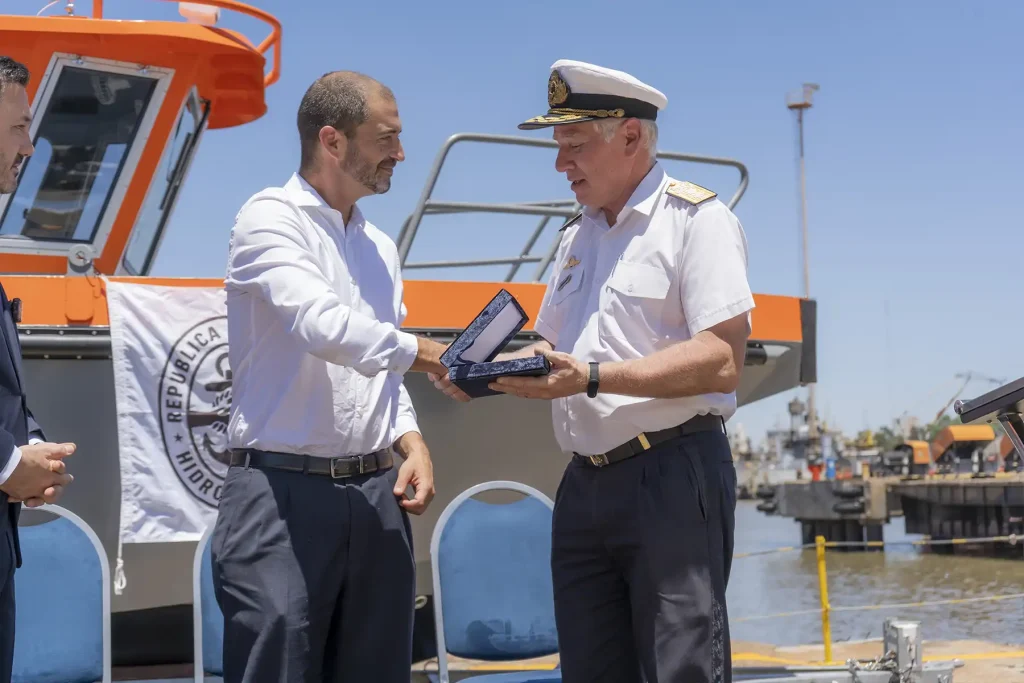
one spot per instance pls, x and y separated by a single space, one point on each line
929 603
894 605
798 613
1012 539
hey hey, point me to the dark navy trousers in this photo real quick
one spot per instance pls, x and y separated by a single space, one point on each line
641 554
315 576
7 617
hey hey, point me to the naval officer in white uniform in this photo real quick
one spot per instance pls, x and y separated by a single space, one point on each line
645 321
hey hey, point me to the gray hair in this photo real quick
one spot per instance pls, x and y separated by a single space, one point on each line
12 73
607 127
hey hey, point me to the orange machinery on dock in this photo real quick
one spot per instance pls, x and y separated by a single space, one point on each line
119 108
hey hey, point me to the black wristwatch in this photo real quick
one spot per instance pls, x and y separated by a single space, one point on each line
594 380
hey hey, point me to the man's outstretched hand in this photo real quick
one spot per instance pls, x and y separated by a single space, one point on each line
40 476
445 386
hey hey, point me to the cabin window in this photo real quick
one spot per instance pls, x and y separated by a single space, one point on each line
85 128
163 193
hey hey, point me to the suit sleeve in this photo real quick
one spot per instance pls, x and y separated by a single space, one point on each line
34 430
10 455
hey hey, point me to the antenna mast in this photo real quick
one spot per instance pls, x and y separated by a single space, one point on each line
799 103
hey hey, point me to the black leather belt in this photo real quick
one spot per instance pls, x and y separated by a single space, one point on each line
337 468
647 440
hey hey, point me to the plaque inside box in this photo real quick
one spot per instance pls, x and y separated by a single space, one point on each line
470 358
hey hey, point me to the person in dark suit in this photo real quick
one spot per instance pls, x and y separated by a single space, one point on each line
32 471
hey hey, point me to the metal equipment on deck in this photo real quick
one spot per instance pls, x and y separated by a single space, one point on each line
901 661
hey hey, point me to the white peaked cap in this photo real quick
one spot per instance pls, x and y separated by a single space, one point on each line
579 91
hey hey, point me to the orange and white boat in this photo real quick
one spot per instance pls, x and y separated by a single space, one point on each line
119 108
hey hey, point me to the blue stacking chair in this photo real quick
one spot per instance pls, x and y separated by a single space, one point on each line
207 619
493 599
62 627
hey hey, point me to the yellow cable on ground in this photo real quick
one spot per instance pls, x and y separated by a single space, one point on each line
974 656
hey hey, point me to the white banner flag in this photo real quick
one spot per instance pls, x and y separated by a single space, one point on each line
173 386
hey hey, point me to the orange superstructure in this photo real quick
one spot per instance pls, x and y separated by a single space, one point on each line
433 304
223 68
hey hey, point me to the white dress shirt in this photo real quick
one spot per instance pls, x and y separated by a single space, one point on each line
314 309
666 270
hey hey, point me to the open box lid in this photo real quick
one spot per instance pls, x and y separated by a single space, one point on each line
489 332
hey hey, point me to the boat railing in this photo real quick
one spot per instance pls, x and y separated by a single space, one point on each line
273 39
546 210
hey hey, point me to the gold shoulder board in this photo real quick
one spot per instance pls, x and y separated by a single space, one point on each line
690 192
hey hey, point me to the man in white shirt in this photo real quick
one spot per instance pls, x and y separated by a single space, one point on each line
312 551
645 322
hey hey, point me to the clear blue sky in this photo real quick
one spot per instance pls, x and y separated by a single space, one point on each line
914 148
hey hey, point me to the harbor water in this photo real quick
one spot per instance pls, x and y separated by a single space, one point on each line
788 582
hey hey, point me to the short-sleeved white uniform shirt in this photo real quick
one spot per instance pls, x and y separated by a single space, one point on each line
665 271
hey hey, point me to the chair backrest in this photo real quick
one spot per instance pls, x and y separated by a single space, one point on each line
207 619
491 564
62 593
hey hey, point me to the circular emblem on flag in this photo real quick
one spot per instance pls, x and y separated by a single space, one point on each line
195 401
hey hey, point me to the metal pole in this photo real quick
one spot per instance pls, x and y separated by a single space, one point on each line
812 417
799 104
826 624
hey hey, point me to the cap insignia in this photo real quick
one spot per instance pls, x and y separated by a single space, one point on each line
558 90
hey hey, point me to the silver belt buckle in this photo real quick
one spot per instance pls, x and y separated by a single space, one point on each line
599 460
334 461
334 474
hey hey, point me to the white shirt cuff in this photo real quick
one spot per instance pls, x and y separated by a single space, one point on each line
7 471
408 349
405 424
33 441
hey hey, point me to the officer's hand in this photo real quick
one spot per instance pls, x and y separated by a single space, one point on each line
568 376
40 476
445 386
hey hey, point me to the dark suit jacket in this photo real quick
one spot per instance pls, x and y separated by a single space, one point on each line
17 425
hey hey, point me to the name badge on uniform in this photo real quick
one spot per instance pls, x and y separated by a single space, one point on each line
564 282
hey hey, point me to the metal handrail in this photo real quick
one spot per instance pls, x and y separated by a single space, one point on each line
272 40
545 209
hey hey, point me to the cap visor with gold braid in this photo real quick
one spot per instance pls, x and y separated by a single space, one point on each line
579 92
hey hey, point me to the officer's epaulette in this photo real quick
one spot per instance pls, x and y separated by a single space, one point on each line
572 220
689 192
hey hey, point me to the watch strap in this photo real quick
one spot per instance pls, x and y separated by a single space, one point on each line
594 381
